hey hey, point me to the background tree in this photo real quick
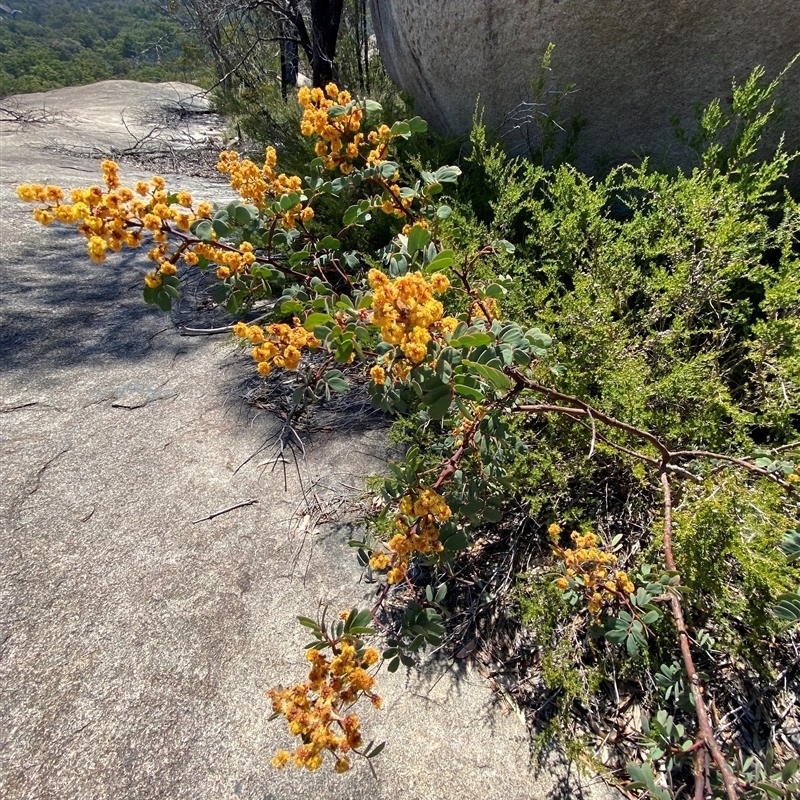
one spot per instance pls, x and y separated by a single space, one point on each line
254 39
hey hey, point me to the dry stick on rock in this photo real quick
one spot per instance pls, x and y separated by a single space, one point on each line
183 330
225 510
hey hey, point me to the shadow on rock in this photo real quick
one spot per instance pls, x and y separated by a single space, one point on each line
61 308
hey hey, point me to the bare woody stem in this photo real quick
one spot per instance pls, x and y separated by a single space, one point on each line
574 407
701 712
700 775
595 413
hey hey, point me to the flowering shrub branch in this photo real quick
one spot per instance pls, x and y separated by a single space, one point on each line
438 349
317 710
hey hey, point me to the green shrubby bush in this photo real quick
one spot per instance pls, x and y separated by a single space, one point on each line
674 302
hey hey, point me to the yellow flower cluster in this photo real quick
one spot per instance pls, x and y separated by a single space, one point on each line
340 136
420 223
408 315
378 374
394 203
336 119
117 215
277 345
590 568
259 184
315 708
231 261
486 308
417 524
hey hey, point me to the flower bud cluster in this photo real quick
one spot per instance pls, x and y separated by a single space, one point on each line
116 216
417 524
277 345
589 571
315 709
408 315
231 261
258 185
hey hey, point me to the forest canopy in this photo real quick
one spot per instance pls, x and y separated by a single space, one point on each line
46 44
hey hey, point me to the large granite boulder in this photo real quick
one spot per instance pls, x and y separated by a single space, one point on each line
633 63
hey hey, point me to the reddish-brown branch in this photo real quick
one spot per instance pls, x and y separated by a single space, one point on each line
580 408
452 463
738 461
701 712
700 775
463 276
320 371
173 259
271 235
396 200
573 413
343 276
381 598
598 415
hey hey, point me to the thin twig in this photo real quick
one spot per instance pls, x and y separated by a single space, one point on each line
225 510
738 461
185 331
791 446
594 434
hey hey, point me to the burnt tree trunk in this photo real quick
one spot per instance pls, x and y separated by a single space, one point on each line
325 18
290 59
